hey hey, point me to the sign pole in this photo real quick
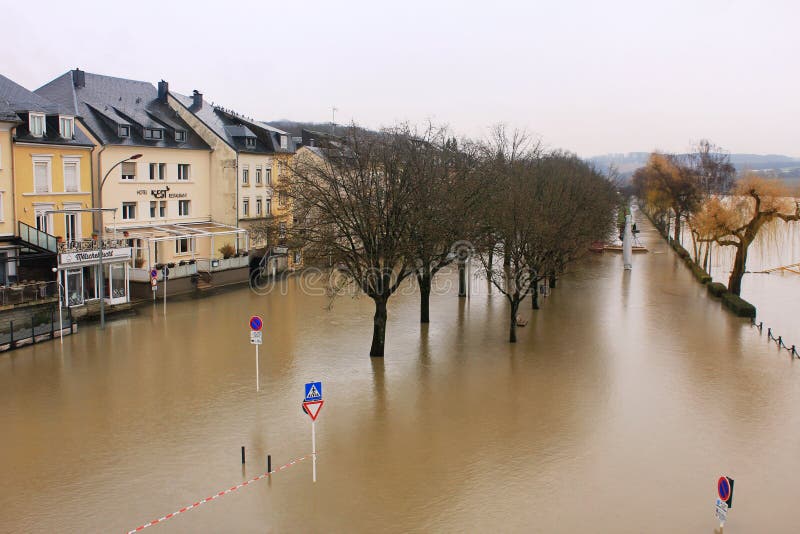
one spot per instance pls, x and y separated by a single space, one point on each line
314 451
258 388
165 292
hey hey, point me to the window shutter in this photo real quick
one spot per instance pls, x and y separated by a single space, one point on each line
40 178
71 177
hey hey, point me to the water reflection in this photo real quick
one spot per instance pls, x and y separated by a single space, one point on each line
622 382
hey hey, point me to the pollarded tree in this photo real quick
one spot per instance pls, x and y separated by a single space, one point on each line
354 210
736 220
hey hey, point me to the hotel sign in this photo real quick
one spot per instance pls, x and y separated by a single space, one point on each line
91 256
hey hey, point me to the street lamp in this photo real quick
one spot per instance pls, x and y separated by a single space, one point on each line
60 322
101 274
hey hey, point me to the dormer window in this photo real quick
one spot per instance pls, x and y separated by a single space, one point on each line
250 142
66 127
124 131
36 124
153 133
180 136
284 142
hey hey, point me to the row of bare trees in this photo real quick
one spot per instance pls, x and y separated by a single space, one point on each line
378 208
701 190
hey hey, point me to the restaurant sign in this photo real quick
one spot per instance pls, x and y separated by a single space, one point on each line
111 254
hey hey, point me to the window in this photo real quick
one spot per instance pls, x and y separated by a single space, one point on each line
158 171
246 175
44 220
153 133
259 205
42 178
128 170
180 136
2 212
158 209
282 230
153 209
128 210
162 208
268 173
281 200
71 174
245 207
183 207
67 127
268 207
250 142
284 142
258 175
184 245
36 124
124 131
183 171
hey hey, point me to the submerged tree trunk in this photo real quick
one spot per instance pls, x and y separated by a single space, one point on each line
512 332
535 296
739 266
489 269
424 281
677 236
379 328
462 279
552 280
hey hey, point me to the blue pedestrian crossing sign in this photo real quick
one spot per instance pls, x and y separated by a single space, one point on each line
313 391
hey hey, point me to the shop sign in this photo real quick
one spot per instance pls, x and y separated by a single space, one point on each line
93 255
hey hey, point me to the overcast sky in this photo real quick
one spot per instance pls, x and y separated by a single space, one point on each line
588 76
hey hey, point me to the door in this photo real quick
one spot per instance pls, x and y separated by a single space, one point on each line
74 287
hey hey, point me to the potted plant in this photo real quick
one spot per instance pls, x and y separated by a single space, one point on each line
191 262
182 263
171 265
227 251
125 233
94 236
159 266
59 239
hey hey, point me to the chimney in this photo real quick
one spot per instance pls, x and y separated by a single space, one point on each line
197 100
311 142
163 89
78 78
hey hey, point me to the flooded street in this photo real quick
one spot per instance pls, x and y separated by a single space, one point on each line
625 398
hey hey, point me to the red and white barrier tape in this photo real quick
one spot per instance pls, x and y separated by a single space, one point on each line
218 495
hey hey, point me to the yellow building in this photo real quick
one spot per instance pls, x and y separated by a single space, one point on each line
52 174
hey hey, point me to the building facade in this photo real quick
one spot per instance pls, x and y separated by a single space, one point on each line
152 180
249 159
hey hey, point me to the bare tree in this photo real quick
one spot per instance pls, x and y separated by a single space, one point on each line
353 206
714 168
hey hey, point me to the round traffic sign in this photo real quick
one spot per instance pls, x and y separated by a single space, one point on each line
256 323
724 488
153 282
153 273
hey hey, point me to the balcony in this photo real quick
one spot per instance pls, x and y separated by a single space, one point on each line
84 245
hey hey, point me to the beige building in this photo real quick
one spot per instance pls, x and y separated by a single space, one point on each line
152 176
248 159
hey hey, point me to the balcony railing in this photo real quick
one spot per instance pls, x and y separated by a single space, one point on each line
81 245
36 237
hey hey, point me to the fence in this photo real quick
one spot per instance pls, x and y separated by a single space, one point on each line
27 292
33 326
778 340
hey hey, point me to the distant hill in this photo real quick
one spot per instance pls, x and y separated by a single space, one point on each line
295 127
783 166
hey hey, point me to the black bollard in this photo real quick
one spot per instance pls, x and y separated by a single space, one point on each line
242 453
269 464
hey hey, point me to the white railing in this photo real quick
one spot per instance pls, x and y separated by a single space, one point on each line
212 265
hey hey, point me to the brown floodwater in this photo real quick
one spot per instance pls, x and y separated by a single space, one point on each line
625 398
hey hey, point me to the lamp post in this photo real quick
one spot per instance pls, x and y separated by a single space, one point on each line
100 273
58 288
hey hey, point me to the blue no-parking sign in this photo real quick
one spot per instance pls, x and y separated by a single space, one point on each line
256 323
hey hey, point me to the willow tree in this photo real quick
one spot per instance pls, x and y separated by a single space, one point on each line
736 220
671 183
353 210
